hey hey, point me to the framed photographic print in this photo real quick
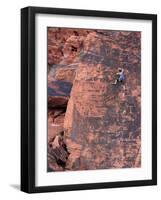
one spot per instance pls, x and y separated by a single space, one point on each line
88 99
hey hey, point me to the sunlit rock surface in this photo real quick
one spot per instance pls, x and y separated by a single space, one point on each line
99 123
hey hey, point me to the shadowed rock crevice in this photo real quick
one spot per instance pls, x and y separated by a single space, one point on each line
57 151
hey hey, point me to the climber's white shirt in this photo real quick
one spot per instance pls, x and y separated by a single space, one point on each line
91 176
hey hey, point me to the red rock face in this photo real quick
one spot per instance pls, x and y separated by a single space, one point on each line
64 44
92 123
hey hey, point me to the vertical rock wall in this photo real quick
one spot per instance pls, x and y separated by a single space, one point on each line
101 121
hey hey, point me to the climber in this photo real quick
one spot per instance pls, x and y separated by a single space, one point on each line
120 76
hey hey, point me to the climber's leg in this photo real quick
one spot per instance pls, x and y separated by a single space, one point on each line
115 82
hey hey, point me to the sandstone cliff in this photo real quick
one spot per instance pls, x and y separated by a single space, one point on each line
99 122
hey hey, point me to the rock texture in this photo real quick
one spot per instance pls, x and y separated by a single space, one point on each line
98 124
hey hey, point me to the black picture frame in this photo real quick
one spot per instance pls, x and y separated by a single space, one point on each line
28 98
